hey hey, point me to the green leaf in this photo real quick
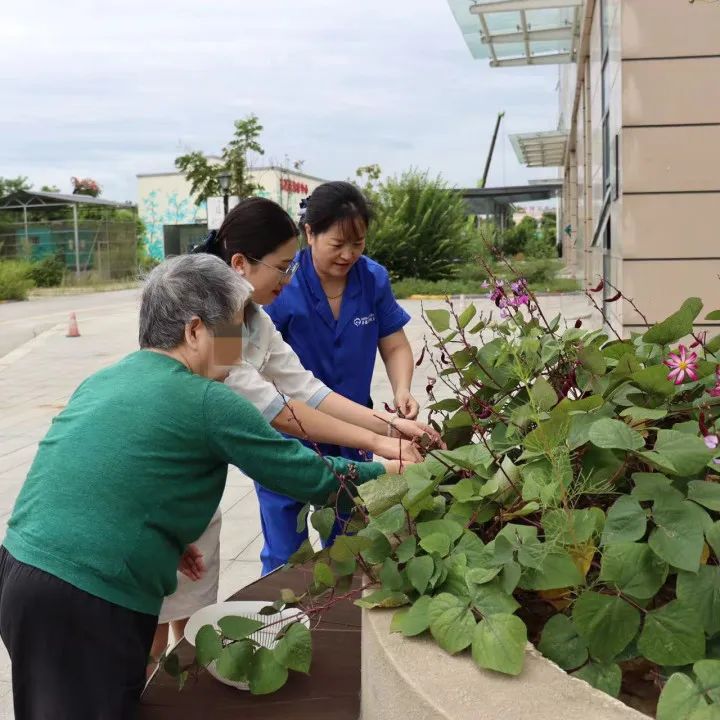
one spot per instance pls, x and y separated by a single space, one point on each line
439 319
653 380
679 699
302 518
672 635
654 486
499 643
390 576
436 543
677 326
323 521
323 575
678 536
346 547
714 315
376 552
639 414
237 627
406 549
304 553
379 495
572 527
449 528
592 360
707 673
701 592
480 576
603 676
633 568
705 493
416 619
235 661
556 570
606 622
466 316
294 649
713 537
383 598
393 520
510 577
266 674
615 435
451 622
207 645
419 572
542 394
687 454
626 521
171 664
561 643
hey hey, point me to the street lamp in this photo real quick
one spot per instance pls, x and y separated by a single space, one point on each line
224 181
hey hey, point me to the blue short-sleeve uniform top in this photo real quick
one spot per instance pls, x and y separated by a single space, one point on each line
341 353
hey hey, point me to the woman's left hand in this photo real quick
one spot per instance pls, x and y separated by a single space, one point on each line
191 563
407 404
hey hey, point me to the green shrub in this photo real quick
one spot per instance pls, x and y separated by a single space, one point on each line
516 237
14 280
49 271
420 228
539 247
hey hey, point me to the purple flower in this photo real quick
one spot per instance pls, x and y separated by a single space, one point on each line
711 441
519 286
485 284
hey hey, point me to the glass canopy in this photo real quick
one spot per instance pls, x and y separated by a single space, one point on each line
541 149
520 32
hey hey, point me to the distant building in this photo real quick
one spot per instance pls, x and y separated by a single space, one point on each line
173 220
637 140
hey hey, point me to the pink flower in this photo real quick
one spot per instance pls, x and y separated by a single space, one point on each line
682 364
712 441
484 284
714 391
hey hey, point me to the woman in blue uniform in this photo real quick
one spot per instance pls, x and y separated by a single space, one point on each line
336 314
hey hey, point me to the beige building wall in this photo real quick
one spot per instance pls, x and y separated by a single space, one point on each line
663 200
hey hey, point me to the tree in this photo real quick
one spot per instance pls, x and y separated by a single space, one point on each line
420 228
12 185
50 189
202 173
515 238
548 227
369 175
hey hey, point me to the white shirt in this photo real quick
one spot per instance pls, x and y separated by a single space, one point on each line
271 372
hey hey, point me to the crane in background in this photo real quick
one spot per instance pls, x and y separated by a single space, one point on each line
482 182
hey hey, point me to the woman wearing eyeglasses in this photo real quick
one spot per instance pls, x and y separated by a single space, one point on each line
259 240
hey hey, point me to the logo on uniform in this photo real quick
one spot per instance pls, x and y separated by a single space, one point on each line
358 321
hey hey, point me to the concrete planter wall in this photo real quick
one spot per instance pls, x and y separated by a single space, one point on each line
414 678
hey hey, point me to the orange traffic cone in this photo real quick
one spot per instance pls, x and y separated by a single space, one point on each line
73 330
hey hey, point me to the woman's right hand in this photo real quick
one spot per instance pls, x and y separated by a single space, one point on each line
396 449
395 467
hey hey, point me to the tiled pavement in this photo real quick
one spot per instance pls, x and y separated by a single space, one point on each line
38 377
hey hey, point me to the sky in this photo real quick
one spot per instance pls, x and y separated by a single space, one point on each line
109 90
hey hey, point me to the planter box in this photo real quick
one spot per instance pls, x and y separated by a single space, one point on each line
414 678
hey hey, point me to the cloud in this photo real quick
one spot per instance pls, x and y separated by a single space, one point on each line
113 90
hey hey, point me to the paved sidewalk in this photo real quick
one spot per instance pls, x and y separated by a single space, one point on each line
38 377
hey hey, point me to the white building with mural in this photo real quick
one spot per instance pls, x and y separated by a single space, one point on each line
174 222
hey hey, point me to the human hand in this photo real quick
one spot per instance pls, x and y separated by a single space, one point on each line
415 430
191 563
395 467
396 449
406 404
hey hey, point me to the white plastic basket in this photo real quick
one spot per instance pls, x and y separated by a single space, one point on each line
212 614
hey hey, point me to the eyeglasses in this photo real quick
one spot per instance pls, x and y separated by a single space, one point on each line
285 275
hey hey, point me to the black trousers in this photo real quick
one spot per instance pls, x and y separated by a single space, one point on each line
74 656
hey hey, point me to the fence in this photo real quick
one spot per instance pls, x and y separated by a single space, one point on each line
107 249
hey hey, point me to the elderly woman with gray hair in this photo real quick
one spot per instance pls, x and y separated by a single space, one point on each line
129 474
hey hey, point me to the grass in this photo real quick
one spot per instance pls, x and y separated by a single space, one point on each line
412 286
93 286
14 281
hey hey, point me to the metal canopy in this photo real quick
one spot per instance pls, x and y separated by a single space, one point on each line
497 200
540 149
513 33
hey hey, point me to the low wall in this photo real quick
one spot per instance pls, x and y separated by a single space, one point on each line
414 678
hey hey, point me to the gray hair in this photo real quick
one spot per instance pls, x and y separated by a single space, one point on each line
185 287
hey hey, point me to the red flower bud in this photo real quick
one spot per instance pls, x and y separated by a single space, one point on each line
421 358
614 298
599 287
578 323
